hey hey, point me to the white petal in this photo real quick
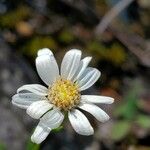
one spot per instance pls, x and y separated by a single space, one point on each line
82 66
80 123
52 119
47 67
88 78
97 99
70 63
24 100
49 121
40 134
33 88
97 112
37 109
44 51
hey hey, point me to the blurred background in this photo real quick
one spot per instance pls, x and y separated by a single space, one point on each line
116 33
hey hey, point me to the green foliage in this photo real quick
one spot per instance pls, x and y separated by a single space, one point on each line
10 19
37 43
129 109
120 130
143 121
115 54
96 47
32 146
66 37
2 146
130 114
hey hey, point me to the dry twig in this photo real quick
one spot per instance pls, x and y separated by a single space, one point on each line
107 19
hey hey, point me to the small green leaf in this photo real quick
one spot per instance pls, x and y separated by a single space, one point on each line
129 109
143 121
57 129
2 146
32 146
120 130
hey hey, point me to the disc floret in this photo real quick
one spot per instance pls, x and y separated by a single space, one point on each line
64 94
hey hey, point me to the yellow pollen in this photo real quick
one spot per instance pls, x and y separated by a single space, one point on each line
64 94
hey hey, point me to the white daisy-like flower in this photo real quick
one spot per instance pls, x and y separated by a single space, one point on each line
50 104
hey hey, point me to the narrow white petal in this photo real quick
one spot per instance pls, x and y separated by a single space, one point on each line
33 88
82 66
44 51
88 78
80 123
40 134
97 112
97 99
52 119
47 67
24 100
70 63
49 121
37 109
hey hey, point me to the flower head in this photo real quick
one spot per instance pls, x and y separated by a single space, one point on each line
62 94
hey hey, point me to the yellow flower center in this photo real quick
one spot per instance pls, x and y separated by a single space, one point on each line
64 94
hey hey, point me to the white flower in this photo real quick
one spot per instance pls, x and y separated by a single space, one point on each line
62 95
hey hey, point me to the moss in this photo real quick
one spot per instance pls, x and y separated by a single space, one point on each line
37 43
97 48
66 37
115 54
10 19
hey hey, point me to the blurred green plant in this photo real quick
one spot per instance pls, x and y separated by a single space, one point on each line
66 37
37 43
114 54
128 114
2 146
11 18
129 108
32 146
143 121
96 47
120 130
